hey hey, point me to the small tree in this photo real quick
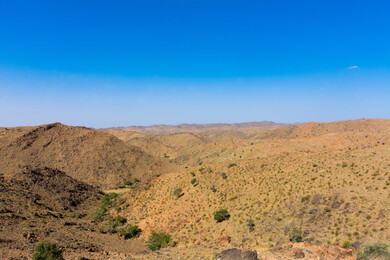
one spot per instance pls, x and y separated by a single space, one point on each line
193 181
296 235
44 250
158 240
221 215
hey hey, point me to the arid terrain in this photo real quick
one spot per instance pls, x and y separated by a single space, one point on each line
329 181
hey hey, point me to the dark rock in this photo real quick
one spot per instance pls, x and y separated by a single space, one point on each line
356 245
236 254
299 254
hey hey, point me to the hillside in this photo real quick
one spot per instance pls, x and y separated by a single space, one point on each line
85 154
46 204
330 180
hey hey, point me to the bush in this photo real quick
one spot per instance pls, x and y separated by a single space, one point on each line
156 240
193 181
120 219
232 165
99 213
109 227
305 198
178 192
347 244
251 225
224 176
130 231
296 235
221 215
44 250
375 251
106 202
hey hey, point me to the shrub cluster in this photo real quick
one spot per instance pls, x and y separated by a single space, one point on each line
106 201
158 240
44 250
296 235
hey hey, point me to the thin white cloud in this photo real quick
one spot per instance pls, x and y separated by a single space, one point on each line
353 67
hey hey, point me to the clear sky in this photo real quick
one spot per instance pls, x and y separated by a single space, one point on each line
120 63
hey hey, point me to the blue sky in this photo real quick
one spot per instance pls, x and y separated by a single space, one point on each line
118 63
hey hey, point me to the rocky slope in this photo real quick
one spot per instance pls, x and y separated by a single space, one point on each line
92 156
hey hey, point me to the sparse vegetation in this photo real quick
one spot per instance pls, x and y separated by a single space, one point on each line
378 251
106 202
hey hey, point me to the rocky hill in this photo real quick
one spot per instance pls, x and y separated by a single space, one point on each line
89 155
46 204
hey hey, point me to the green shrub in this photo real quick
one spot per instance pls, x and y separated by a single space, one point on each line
128 183
99 213
296 235
232 165
109 227
305 198
130 231
213 189
120 219
221 215
347 244
193 181
178 192
107 198
158 240
224 176
378 251
106 202
44 250
251 225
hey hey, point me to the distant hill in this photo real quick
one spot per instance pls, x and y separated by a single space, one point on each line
198 128
89 155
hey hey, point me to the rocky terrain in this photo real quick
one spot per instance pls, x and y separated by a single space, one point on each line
324 186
